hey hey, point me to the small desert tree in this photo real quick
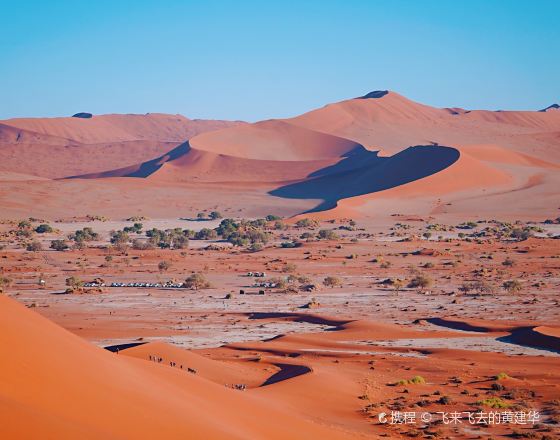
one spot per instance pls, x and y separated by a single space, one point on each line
327 234
34 246
4 283
164 266
279 283
84 234
59 245
136 228
43 228
332 282
256 247
512 286
420 282
74 282
289 268
398 284
120 239
465 288
197 281
306 223
483 287
520 234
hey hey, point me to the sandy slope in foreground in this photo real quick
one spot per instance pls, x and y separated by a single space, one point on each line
55 385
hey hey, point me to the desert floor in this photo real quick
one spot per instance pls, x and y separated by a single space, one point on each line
337 356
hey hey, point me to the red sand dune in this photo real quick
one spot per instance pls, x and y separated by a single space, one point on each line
116 127
362 156
56 385
274 140
222 373
393 122
61 147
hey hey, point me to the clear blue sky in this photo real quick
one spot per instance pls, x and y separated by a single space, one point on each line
257 60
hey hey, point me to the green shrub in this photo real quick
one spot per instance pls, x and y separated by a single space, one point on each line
332 282
420 282
327 234
307 223
501 376
512 286
136 227
44 228
85 234
59 245
493 402
164 265
197 281
416 380
34 246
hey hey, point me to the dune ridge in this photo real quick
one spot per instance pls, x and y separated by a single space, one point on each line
66 388
63 147
359 157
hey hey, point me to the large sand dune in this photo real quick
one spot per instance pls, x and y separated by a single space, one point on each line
62 147
371 152
56 385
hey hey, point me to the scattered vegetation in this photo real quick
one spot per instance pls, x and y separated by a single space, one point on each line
44 229
243 233
74 283
512 286
501 376
59 245
5 282
493 402
34 246
83 235
135 228
332 282
169 239
327 234
289 268
416 380
164 266
420 282
197 281
307 223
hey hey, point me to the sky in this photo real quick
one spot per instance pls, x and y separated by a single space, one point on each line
251 60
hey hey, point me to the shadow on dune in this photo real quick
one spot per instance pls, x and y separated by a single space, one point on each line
287 371
150 167
529 337
298 317
364 172
119 347
142 170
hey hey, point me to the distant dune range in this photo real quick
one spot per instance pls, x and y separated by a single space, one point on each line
367 156
59 147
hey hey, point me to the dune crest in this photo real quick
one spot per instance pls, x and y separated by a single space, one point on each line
347 154
56 385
